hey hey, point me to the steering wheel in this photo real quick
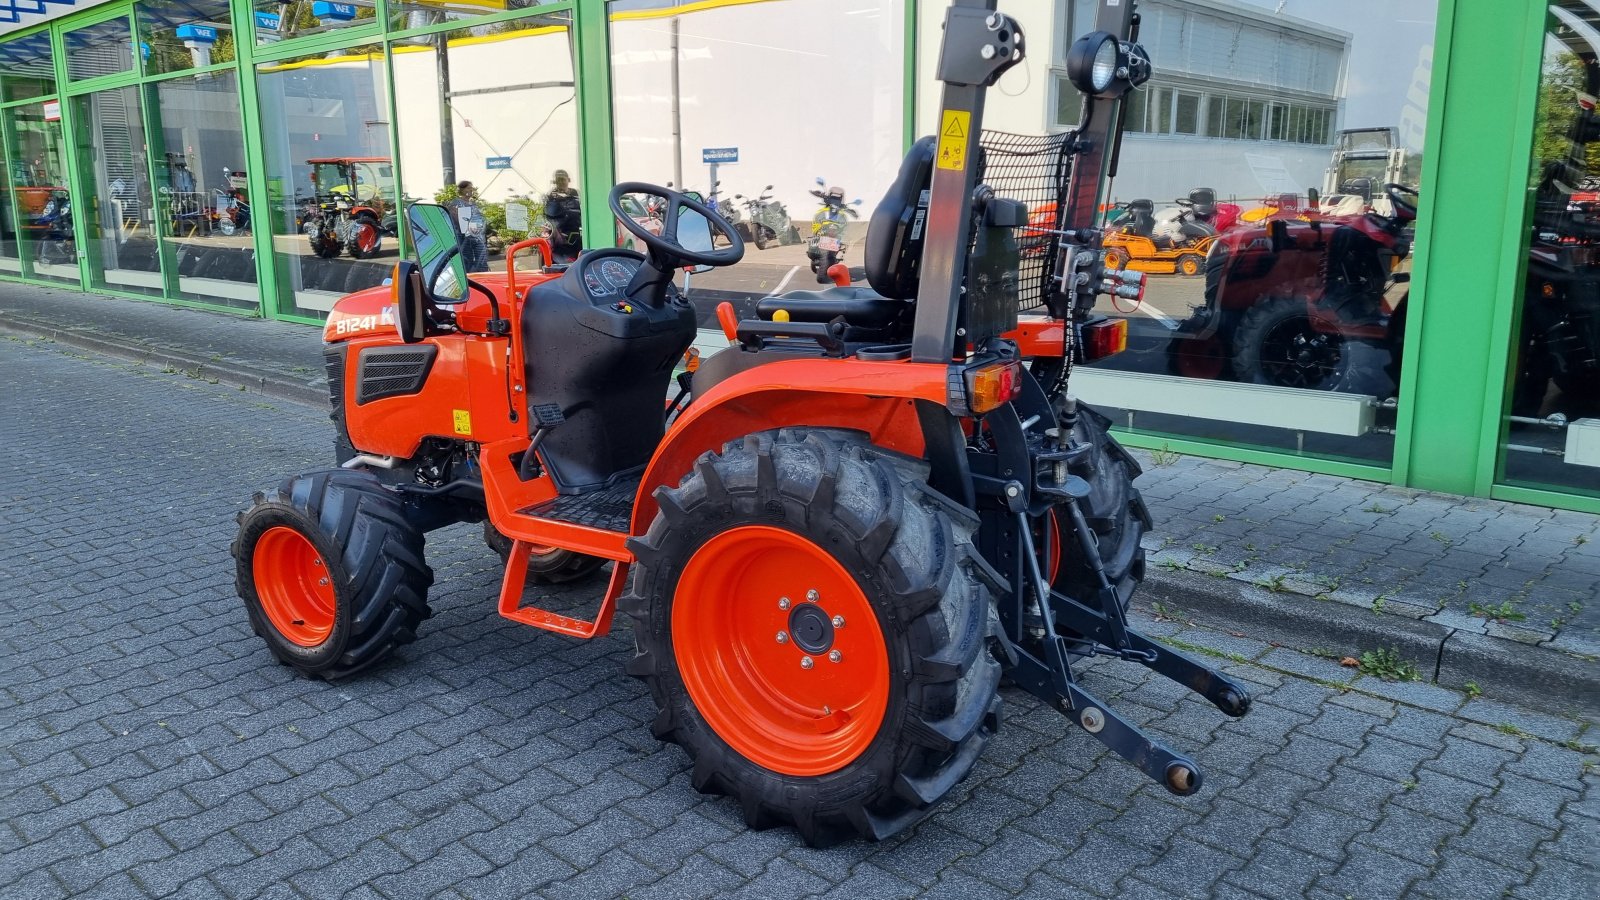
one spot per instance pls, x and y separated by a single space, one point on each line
665 251
1404 200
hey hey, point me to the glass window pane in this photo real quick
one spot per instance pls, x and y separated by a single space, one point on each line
330 177
406 14
277 21
202 202
111 144
27 67
1555 357
1188 119
176 35
1138 106
1262 324
101 49
37 169
1069 104
503 118
767 62
1161 110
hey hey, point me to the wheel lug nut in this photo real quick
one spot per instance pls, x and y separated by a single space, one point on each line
811 595
835 656
783 637
805 662
838 621
323 582
317 561
783 602
827 710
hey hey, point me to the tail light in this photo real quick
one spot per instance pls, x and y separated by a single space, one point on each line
992 386
1101 338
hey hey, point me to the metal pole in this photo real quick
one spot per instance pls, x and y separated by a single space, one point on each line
677 114
1090 167
447 135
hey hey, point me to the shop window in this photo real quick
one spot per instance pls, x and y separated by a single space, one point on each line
27 67
40 200
1138 103
202 201
331 196
407 14
104 48
1294 343
175 35
119 222
1552 426
276 21
771 99
502 119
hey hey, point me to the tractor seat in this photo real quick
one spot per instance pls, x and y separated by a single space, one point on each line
860 306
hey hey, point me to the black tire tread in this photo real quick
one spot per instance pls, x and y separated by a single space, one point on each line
560 567
379 551
840 490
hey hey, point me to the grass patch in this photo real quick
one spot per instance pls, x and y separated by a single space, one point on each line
1387 664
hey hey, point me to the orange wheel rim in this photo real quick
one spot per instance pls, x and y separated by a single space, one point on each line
367 238
751 607
1053 564
294 586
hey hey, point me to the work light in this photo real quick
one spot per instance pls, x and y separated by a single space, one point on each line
1102 66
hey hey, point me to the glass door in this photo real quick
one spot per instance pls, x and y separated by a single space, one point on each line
1551 435
41 202
112 158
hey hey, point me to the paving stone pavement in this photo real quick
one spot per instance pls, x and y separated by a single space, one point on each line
152 748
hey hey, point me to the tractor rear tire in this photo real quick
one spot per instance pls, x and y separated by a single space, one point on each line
898 578
549 565
1114 510
331 572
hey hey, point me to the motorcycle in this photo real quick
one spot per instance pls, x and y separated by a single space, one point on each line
769 221
232 214
827 245
51 228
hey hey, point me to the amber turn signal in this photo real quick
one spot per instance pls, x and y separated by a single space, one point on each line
989 387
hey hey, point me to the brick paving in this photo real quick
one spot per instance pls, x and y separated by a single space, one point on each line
152 748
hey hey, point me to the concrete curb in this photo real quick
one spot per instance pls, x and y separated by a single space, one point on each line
1504 670
264 381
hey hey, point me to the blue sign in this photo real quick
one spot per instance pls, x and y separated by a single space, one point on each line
199 34
267 21
340 12
497 162
719 155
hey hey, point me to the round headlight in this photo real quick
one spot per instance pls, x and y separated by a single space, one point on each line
1104 67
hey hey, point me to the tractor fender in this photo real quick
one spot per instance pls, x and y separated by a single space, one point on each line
878 398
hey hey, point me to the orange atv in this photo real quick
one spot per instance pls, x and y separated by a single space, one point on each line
834 541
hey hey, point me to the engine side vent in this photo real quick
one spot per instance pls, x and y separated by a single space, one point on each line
392 371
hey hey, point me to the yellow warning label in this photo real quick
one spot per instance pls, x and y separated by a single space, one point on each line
463 422
953 139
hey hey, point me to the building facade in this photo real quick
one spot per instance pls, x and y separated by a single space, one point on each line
253 156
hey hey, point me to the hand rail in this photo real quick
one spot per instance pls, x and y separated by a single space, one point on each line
511 265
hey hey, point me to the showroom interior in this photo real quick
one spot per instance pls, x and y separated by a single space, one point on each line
254 157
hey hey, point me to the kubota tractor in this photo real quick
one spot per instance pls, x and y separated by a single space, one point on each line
845 530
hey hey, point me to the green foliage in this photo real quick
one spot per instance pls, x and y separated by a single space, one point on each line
1473 691
1387 664
1504 612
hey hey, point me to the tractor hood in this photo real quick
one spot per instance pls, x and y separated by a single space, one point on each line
360 314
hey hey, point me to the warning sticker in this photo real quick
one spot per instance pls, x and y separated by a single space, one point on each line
463 422
953 139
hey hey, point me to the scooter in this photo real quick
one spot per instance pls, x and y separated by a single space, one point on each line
827 245
233 216
769 221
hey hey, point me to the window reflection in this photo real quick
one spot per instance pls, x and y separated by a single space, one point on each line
118 227
752 104
331 188
41 203
105 48
175 35
492 132
1553 430
27 67
276 20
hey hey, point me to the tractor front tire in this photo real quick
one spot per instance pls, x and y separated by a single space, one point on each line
331 572
809 617
546 565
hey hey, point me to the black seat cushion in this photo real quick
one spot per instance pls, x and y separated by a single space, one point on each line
860 306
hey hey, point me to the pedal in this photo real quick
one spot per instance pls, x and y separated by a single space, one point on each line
547 415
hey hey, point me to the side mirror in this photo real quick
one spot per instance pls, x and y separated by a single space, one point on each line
410 302
437 242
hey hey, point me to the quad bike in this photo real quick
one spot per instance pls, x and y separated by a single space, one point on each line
826 247
769 221
1174 243
351 210
836 539
1313 304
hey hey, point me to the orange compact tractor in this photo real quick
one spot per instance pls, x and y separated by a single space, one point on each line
842 533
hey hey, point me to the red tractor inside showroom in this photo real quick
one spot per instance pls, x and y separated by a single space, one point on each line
845 529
